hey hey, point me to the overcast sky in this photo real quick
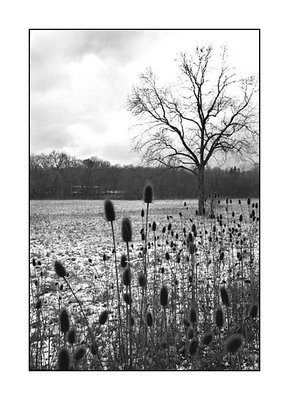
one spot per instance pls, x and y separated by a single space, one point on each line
80 80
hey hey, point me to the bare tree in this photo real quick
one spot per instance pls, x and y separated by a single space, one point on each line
209 113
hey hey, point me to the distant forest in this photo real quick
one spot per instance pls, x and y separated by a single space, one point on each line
59 176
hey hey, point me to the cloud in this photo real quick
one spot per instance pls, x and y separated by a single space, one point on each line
80 81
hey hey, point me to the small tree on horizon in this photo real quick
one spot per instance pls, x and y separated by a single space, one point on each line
208 114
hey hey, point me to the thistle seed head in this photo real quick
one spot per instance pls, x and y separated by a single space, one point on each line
126 230
234 343
126 276
79 353
164 296
109 210
142 280
208 338
59 269
225 296
148 194
103 317
219 317
64 320
71 335
63 359
149 319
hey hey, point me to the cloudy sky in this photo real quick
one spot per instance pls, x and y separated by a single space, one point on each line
80 81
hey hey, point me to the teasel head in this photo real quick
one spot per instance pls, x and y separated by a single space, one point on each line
94 348
109 210
38 304
148 193
142 280
142 213
79 353
149 319
126 230
60 269
249 201
123 261
167 256
154 226
219 317
126 276
222 256
234 343
208 338
193 347
64 320
253 311
164 296
63 359
127 298
103 317
186 322
190 333
193 314
71 335
241 218
225 296
190 237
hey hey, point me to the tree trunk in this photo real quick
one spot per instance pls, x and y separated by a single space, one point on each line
201 189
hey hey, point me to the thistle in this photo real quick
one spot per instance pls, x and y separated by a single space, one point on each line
190 333
110 216
38 304
193 315
79 353
64 320
71 335
186 322
123 261
109 210
253 311
149 319
193 347
225 296
148 194
126 230
234 343
208 338
103 317
164 296
127 298
126 276
63 359
60 269
219 318
142 280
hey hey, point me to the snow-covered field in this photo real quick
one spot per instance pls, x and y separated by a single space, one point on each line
77 234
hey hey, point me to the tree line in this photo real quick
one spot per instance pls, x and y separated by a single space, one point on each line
60 176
